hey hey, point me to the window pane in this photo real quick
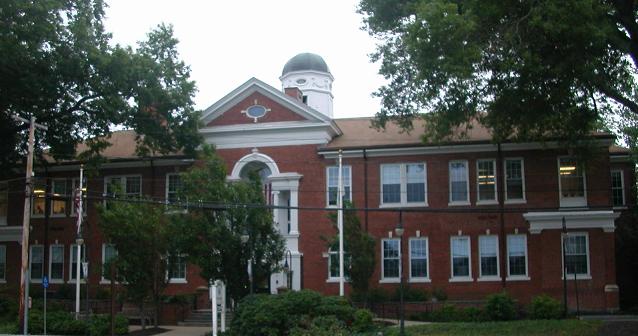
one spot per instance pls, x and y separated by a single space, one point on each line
458 182
391 258
37 257
516 254
57 262
576 254
514 176
571 178
418 258
460 257
174 186
617 188
58 205
73 265
391 177
133 186
486 181
415 182
488 249
3 262
333 184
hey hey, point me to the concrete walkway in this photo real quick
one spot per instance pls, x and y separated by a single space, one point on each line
178 330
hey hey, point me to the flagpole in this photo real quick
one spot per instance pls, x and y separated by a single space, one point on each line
340 223
78 203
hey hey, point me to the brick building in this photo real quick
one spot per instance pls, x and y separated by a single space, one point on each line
479 217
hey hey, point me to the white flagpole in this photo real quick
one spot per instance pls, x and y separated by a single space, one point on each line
340 224
78 245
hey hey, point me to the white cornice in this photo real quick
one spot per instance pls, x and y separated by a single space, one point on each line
539 221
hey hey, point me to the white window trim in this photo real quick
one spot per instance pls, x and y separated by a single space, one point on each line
469 277
496 277
514 200
390 279
31 279
51 280
467 183
507 248
571 201
53 182
427 260
579 276
403 186
74 186
622 186
102 278
123 182
332 279
344 184
73 265
4 278
35 182
178 280
478 199
166 184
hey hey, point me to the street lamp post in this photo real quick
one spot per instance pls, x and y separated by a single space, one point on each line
399 233
288 269
245 237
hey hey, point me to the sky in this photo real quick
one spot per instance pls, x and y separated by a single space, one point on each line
227 42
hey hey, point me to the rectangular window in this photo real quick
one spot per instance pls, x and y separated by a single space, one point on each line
73 263
460 253
418 258
459 183
333 264
517 255
173 186
3 262
56 262
488 252
131 186
391 256
617 188
177 268
571 183
404 184
514 180
486 180
577 254
108 253
4 202
37 205
59 201
333 183
76 185
36 263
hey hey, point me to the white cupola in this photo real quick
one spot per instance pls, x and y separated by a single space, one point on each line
310 74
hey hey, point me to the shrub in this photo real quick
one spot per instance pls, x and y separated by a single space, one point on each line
378 294
500 307
322 326
451 313
363 320
439 294
65 292
8 309
411 294
544 307
101 325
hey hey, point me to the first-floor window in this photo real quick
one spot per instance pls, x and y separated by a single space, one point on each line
460 247
73 263
517 255
391 256
36 267
3 262
333 263
108 253
418 258
56 262
177 267
488 251
576 253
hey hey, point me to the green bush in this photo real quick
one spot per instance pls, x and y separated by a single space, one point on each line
377 295
544 307
500 307
9 328
322 326
65 292
411 295
451 313
439 294
363 321
64 323
101 325
8 309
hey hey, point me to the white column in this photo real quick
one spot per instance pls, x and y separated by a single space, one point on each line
294 202
276 213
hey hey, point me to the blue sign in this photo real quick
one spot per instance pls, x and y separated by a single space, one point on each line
45 282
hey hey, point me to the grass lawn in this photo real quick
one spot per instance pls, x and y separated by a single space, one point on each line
525 327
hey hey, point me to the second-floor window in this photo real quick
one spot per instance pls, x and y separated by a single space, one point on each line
571 182
333 183
486 180
617 188
404 184
60 197
128 186
459 184
514 180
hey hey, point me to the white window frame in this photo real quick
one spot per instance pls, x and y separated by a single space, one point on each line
579 276
3 261
517 277
622 186
467 183
103 280
55 181
463 278
427 260
508 199
403 185
4 194
51 279
123 180
479 201
74 185
43 183
178 280
72 264
167 191
496 277
41 247
346 256
396 279
571 201
346 183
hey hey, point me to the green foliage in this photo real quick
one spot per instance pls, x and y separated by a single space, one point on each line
363 321
212 239
101 325
514 328
299 311
451 313
9 328
65 292
627 266
322 326
526 69
8 309
58 323
544 307
58 65
411 294
500 307
439 294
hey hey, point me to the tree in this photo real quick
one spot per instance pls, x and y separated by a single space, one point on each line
359 246
143 237
211 234
58 65
527 70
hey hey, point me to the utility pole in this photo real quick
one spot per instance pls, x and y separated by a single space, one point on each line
340 222
26 220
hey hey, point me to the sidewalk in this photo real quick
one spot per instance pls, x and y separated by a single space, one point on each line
178 330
